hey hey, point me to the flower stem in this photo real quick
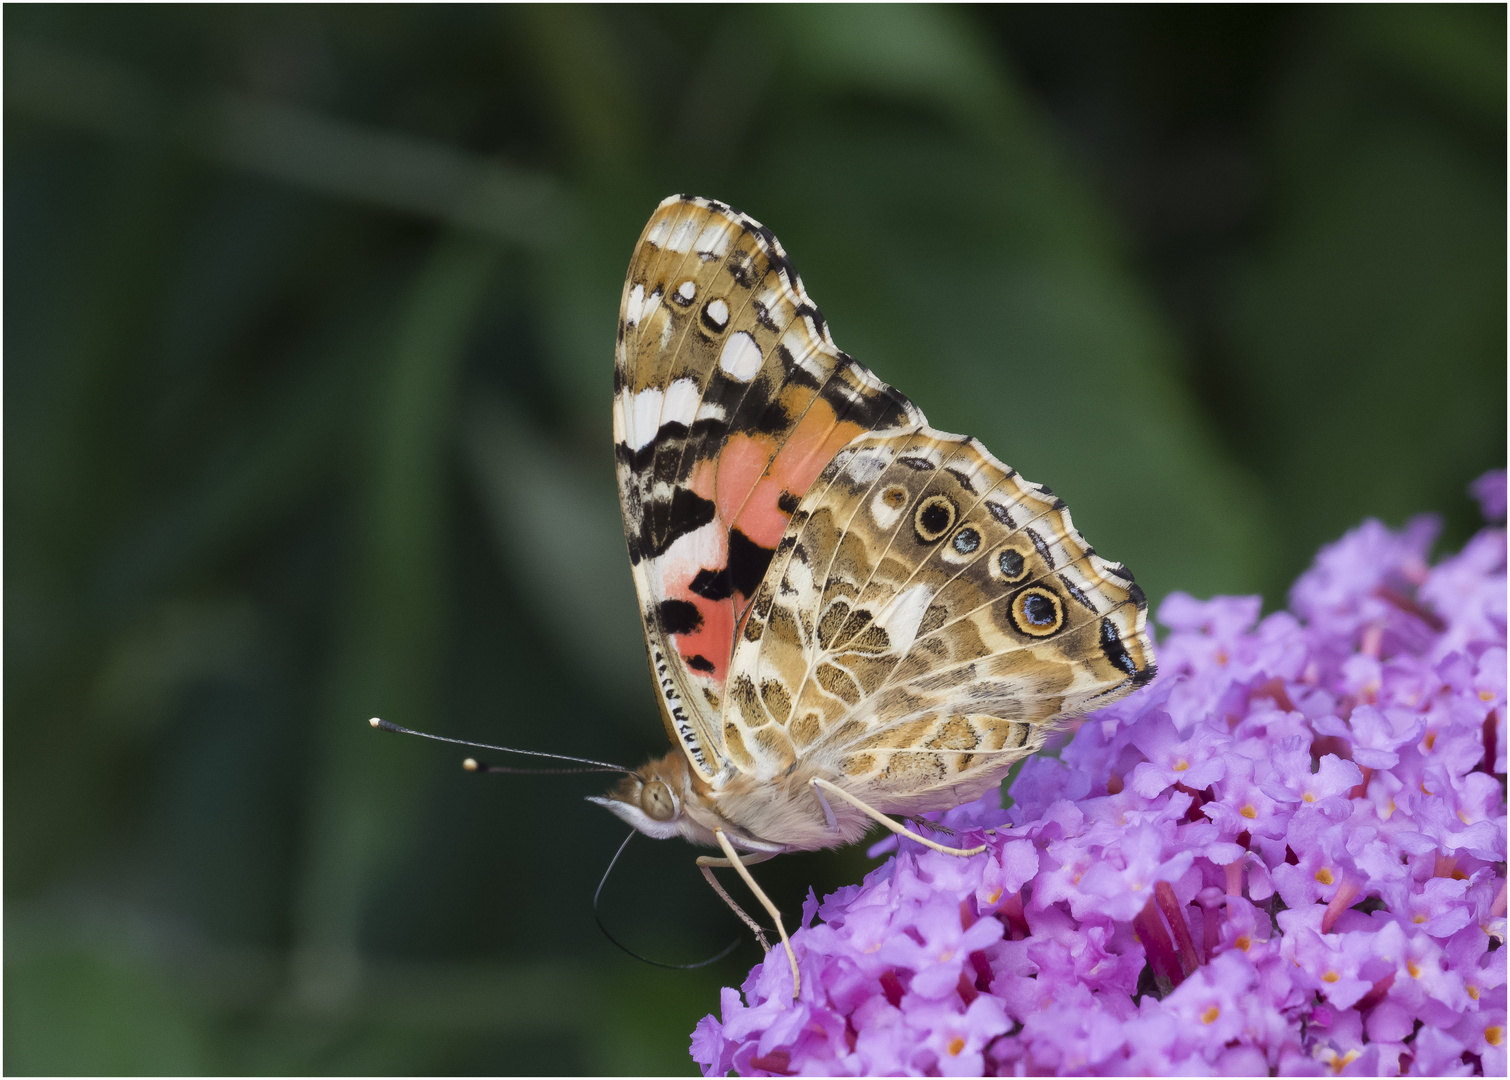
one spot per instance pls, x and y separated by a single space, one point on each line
1160 950
1170 905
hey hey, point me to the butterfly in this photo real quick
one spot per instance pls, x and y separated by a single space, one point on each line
848 614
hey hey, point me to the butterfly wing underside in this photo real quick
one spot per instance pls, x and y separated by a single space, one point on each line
928 615
730 398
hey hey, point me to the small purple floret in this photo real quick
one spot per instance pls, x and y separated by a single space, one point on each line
1285 856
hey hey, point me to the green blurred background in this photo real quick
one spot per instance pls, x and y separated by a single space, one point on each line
309 324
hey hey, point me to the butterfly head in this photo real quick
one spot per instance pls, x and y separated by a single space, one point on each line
654 798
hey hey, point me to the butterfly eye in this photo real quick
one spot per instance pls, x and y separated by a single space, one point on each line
657 801
966 540
1037 612
934 518
1010 564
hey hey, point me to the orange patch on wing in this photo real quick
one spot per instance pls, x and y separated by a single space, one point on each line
740 464
811 445
703 479
752 472
713 640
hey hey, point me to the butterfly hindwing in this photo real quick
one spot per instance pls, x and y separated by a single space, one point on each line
927 599
730 398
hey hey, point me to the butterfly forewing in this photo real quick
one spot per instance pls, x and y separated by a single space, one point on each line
730 398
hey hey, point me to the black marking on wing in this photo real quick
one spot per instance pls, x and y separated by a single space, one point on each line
1115 652
1043 549
999 512
748 562
963 480
740 266
795 373
1076 593
820 324
688 512
678 616
763 316
773 419
713 584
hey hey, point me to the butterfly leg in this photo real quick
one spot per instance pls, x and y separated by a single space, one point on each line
706 863
771 909
901 830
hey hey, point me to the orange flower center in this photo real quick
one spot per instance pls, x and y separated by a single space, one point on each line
1210 1015
1330 977
1248 812
956 1045
1324 876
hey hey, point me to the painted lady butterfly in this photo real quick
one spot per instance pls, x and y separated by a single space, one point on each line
848 613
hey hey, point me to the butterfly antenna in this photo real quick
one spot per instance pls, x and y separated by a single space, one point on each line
645 959
597 766
471 764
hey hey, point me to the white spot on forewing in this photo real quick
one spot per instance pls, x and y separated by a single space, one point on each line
644 417
714 239
902 616
682 398
741 358
681 237
711 410
718 311
657 234
653 407
687 290
635 306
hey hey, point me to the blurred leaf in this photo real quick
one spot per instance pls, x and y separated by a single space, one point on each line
393 624
1456 51
177 644
87 1010
564 538
1370 326
319 153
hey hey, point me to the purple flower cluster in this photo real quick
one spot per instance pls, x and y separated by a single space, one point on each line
1286 855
